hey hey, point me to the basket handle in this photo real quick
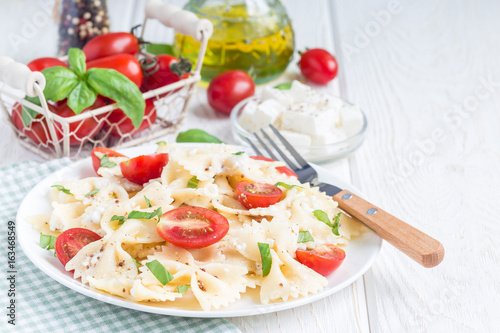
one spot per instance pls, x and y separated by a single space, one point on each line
19 76
184 22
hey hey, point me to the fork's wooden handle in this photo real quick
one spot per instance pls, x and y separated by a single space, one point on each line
419 246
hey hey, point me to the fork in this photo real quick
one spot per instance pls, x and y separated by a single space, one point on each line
419 246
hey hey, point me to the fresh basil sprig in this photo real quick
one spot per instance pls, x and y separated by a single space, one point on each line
47 242
62 189
323 217
196 135
283 86
159 271
304 237
285 185
193 182
183 289
265 255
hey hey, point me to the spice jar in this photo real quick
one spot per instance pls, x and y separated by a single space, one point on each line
81 20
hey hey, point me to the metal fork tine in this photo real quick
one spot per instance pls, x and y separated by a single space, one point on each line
254 147
269 151
288 146
282 154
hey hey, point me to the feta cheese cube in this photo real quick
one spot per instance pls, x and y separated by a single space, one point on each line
296 139
269 112
329 137
308 120
248 116
351 119
282 97
303 93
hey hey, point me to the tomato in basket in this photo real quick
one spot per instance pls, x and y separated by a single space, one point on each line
257 195
142 169
81 131
37 130
281 169
119 124
40 64
124 63
110 44
324 259
70 242
96 160
162 70
228 89
192 227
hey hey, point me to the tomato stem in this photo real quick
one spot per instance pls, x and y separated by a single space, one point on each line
181 67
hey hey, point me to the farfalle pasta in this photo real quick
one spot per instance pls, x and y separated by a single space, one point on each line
123 261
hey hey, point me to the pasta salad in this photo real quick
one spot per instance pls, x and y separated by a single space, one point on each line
201 224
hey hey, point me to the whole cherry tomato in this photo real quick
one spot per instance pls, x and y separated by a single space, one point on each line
164 69
110 44
121 124
318 65
70 242
143 168
37 130
192 227
123 63
81 131
40 64
228 89
324 259
257 195
97 153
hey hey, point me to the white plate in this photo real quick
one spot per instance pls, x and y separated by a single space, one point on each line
360 254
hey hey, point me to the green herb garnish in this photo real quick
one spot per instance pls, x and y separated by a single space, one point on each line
323 217
119 218
147 201
160 272
193 182
183 289
47 242
136 263
135 214
304 237
336 225
91 193
239 153
265 255
62 189
283 86
196 135
285 185
105 162
161 143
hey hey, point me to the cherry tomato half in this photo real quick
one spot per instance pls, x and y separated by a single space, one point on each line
96 161
169 70
123 124
73 240
142 168
192 227
110 44
281 169
81 130
40 64
124 63
324 259
318 65
228 89
37 130
257 195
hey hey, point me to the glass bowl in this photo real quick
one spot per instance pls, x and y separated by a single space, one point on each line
318 153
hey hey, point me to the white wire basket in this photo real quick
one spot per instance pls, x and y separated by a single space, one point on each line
51 136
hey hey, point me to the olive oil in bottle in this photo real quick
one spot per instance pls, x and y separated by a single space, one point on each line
253 36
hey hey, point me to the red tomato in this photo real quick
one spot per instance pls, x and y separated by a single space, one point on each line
73 240
81 130
324 259
96 161
142 168
192 227
228 89
123 63
38 130
40 64
110 44
257 195
169 70
123 124
281 169
318 66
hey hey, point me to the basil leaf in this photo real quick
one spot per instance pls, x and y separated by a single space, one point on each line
265 255
81 97
183 289
196 135
27 113
118 87
47 242
193 182
147 201
304 237
283 86
285 185
336 225
121 219
135 214
105 162
76 60
91 193
159 271
161 143
136 263
239 153
60 81
157 49
62 189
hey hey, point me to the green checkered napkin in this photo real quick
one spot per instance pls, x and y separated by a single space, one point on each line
44 305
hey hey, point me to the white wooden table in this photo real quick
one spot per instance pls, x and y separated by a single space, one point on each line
427 75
